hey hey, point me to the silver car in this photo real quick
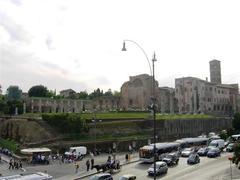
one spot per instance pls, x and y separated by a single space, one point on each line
102 176
187 151
161 167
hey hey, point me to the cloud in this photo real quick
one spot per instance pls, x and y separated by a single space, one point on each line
16 31
16 2
54 67
49 43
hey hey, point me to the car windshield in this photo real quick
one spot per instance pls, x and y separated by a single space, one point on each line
230 145
123 178
94 178
192 156
169 156
157 166
213 150
187 149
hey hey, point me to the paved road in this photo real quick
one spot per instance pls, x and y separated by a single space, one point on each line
208 169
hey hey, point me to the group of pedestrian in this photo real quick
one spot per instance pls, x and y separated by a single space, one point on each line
13 164
89 163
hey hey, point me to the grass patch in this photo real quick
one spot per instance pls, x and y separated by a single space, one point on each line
116 115
9 144
183 116
129 115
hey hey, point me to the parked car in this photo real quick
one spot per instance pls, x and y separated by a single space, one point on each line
230 147
171 159
203 151
102 176
213 152
193 159
187 151
161 168
128 177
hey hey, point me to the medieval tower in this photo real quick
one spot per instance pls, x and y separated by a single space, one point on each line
215 71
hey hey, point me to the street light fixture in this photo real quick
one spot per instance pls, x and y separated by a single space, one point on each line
153 98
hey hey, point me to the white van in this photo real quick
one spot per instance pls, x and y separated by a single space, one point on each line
219 143
78 152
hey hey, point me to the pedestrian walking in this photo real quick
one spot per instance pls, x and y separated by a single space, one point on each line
10 164
76 167
92 163
92 159
20 164
88 164
126 157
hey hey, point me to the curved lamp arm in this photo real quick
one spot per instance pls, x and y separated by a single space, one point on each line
124 49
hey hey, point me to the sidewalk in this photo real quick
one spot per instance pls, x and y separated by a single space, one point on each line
84 174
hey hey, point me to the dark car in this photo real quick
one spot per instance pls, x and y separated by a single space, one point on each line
230 147
193 159
214 152
161 168
171 159
203 151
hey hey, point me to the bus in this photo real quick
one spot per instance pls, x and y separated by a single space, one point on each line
146 153
32 176
189 142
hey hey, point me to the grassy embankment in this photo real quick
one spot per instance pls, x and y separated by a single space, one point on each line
126 116
110 117
9 144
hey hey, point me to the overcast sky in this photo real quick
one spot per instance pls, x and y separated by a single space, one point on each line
77 44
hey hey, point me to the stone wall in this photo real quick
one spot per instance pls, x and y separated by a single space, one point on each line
167 130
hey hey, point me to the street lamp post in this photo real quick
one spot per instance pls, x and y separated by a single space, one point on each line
153 98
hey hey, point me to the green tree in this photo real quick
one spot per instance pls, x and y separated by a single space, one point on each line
3 104
223 134
13 93
96 93
236 153
51 93
108 93
83 95
38 91
12 105
236 122
116 93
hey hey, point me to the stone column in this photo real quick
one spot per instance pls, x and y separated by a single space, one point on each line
61 106
75 106
16 111
24 107
53 106
40 105
195 101
171 102
32 106
162 105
